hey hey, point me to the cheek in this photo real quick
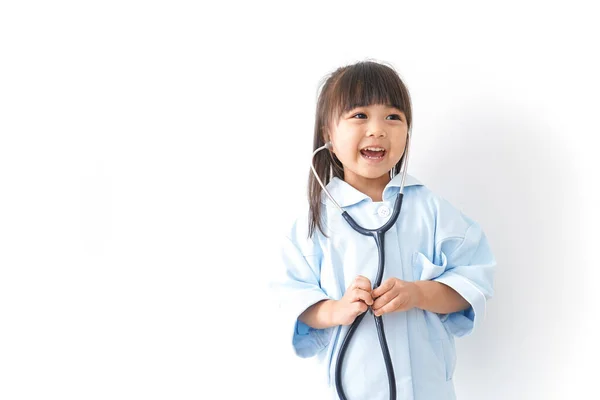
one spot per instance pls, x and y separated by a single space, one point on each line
348 153
344 147
399 146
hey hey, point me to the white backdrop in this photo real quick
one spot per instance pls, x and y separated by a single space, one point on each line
151 152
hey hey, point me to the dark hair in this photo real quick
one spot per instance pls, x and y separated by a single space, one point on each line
356 85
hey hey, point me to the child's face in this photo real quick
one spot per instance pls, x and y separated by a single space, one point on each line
376 127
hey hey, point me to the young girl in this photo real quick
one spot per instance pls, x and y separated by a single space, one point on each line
438 266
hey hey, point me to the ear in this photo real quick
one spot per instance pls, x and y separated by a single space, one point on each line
327 138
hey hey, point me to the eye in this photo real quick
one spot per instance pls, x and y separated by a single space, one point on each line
363 114
396 117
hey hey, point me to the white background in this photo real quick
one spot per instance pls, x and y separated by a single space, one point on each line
151 152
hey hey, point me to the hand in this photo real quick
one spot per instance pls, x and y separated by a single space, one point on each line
395 295
356 300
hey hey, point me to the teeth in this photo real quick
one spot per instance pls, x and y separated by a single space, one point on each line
374 148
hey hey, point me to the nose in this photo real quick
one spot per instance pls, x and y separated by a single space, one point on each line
376 128
376 131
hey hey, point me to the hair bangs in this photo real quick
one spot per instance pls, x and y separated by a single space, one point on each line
366 84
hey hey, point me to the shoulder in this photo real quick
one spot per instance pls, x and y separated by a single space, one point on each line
418 193
296 230
447 217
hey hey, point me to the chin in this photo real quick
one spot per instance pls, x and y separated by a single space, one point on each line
375 175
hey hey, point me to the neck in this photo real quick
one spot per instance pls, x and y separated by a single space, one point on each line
371 187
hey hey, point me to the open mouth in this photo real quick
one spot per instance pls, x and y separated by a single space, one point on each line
373 153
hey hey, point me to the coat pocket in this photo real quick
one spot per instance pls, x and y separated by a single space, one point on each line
426 270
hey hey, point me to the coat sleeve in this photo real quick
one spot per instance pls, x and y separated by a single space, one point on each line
464 261
468 269
297 288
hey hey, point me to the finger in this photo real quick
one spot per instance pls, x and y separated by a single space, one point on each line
384 299
362 282
394 305
386 308
360 307
359 294
383 288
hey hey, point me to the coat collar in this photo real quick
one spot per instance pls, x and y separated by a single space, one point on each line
346 195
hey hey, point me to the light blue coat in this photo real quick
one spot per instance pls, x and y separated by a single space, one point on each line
431 240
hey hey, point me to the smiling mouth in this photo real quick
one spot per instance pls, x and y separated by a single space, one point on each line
373 153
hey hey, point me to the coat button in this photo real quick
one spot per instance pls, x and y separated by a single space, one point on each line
383 211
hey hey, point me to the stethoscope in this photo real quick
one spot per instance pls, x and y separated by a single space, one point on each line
378 235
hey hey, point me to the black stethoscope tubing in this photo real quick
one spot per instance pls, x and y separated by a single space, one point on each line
378 235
